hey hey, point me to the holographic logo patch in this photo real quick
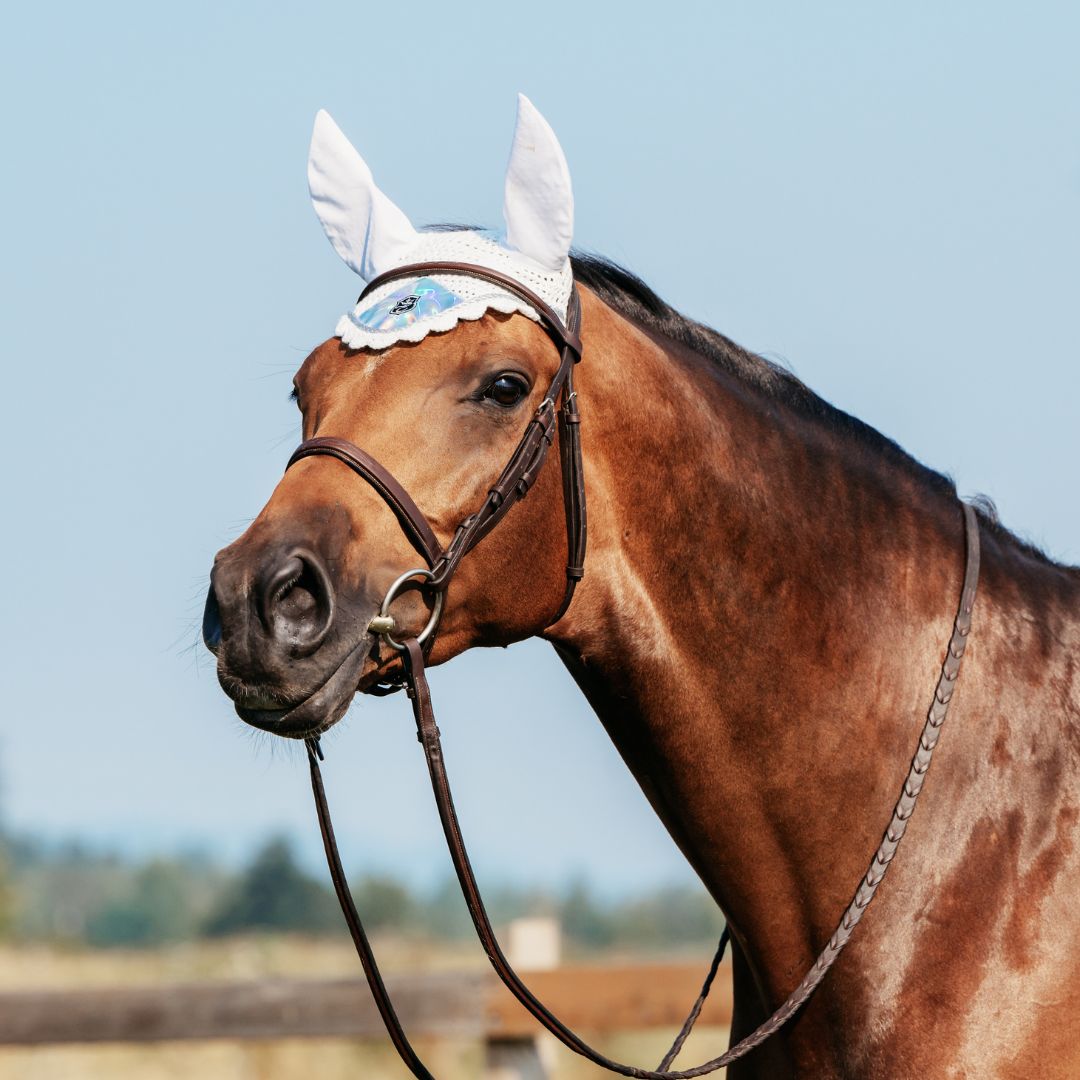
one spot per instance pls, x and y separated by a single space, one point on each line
408 305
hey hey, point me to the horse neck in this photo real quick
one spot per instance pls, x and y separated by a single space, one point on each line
760 626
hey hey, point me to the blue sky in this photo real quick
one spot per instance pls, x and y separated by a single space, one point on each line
886 200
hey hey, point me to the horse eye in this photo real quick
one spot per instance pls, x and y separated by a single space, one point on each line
506 390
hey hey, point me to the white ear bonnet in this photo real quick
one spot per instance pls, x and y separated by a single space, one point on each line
373 236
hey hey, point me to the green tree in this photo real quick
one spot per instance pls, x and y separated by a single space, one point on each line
672 915
273 893
7 891
384 904
445 914
583 919
7 886
158 908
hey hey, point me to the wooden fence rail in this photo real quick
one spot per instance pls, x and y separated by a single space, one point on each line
469 1005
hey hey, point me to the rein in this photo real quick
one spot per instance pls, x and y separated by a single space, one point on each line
513 484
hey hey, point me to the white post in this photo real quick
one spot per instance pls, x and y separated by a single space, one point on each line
533 944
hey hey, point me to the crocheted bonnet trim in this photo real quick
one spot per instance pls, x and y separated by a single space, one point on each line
409 309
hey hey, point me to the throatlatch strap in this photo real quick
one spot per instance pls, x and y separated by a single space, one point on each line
428 733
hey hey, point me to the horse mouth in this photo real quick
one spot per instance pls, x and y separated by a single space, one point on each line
321 709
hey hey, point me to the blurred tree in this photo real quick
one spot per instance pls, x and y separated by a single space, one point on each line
384 903
583 920
674 915
157 909
7 891
59 888
273 893
7 895
444 913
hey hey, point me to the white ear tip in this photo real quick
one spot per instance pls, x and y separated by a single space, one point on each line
325 131
528 113
529 118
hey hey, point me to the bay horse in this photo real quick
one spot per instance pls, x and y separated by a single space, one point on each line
769 586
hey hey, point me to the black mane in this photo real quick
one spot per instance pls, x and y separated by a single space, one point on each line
629 296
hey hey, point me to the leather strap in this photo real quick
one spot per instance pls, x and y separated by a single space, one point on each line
356 928
564 335
515 481
365 466
428 734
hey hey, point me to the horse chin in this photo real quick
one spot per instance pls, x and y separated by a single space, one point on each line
321 709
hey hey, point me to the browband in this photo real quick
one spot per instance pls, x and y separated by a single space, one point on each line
564 335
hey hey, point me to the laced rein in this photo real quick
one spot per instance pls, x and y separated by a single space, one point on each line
512 485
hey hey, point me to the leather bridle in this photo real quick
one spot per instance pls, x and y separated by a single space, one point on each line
558 406
512 485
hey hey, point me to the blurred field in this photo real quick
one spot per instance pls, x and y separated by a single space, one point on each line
43 968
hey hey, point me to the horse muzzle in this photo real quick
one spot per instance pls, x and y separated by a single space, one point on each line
274 621
292 646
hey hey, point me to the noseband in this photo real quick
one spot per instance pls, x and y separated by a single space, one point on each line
512 485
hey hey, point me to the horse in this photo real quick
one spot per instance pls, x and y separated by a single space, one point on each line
770 584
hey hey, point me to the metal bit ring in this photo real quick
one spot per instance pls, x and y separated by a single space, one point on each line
383 623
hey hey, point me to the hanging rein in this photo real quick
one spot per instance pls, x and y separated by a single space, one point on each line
559 407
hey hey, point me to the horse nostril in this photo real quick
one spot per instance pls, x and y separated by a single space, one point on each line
296 602
211 621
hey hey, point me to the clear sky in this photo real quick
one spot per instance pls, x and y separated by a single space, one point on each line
888 200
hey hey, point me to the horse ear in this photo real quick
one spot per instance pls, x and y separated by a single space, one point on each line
538 205
367 230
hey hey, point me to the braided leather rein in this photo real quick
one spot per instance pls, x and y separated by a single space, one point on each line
512 485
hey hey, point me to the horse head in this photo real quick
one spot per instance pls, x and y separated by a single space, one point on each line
437 376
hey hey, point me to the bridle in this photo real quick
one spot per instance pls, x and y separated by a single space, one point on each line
513 483
559 407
